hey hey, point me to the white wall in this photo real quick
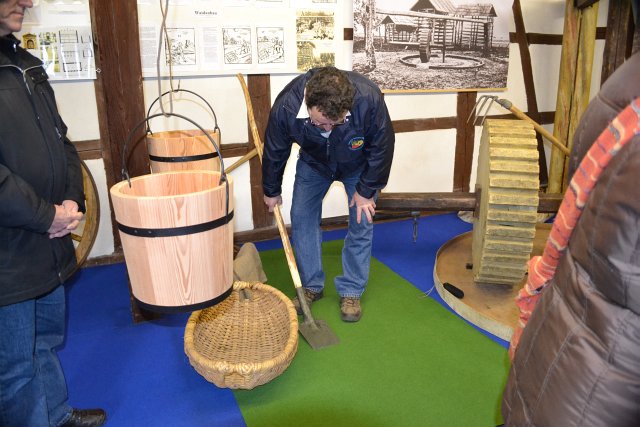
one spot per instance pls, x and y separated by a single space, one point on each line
77 105
423 161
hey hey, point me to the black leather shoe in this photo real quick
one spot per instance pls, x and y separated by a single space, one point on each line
86 418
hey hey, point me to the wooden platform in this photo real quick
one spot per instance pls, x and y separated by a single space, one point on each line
490 307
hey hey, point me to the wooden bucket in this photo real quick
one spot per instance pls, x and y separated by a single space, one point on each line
183 150
177 236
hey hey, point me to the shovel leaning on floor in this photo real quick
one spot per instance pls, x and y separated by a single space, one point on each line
316 332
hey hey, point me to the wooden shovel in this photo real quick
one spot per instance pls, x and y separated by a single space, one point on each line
316 332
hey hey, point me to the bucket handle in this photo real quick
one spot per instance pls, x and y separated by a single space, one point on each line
125 172
215 118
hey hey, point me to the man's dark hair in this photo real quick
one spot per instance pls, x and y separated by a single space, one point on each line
330 91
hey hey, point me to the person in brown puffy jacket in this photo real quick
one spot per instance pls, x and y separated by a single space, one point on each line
578 359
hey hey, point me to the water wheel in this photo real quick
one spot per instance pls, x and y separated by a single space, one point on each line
507 186
424 39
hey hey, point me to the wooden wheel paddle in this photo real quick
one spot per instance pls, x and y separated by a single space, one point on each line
85 235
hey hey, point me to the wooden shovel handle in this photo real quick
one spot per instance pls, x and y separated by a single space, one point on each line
288 250
252 120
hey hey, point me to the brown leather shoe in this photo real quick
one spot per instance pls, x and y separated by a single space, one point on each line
309 296
86 418
350 310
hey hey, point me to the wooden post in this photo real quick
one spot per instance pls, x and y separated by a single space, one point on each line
444 38
259 86
369 29
485 51
576 63
529 87
465 135
119 98
119 95
619 38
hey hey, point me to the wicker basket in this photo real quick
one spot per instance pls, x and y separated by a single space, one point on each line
245 341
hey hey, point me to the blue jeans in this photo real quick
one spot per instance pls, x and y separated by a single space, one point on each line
309 190
33 391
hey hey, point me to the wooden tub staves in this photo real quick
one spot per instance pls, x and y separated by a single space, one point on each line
177 236
183 150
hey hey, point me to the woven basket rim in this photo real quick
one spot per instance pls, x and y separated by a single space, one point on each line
291 345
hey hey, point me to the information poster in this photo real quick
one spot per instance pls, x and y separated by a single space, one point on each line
221 37
65 50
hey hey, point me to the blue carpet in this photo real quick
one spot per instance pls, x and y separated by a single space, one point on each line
139 373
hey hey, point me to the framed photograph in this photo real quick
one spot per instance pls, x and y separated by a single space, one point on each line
439 45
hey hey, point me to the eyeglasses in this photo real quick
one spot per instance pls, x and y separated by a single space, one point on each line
323 125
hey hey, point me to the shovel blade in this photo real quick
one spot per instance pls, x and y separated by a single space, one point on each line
318 334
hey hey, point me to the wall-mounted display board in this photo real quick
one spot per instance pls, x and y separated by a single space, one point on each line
220 37
59 33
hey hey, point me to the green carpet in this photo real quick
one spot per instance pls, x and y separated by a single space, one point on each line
408 362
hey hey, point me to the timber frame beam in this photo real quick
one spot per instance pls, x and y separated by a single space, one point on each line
451 202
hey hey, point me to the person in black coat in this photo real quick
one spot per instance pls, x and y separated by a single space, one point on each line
41 202
341 123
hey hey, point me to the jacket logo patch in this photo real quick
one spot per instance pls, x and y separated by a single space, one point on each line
356 143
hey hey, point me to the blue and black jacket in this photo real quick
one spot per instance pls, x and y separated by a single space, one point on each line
366 141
